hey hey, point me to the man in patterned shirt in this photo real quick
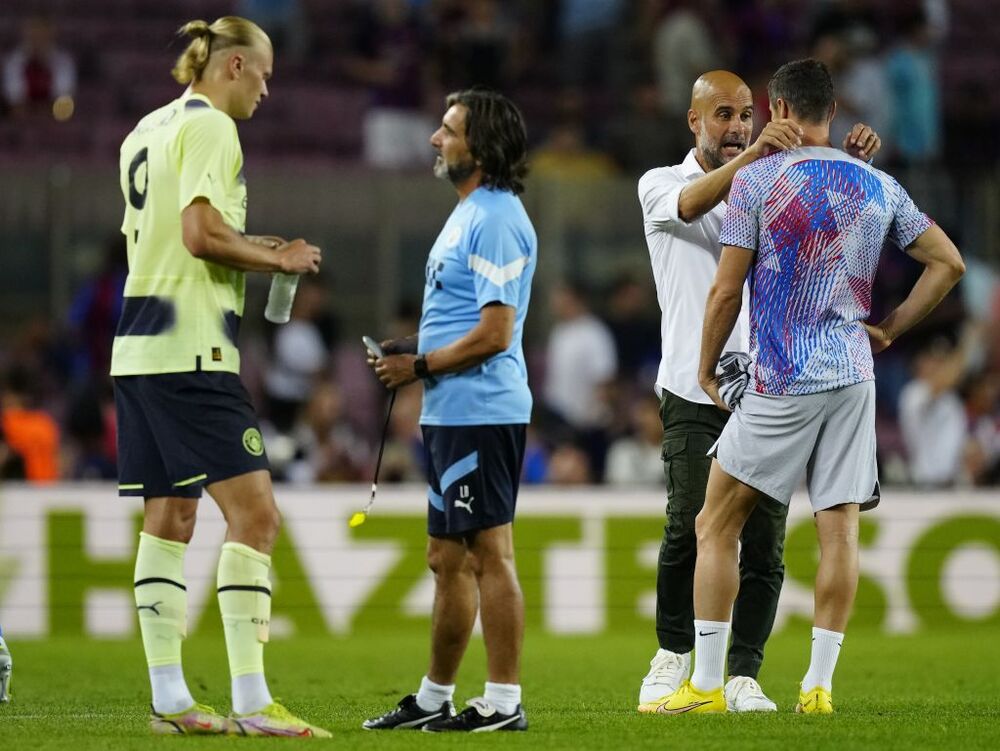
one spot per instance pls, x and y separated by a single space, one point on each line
808 225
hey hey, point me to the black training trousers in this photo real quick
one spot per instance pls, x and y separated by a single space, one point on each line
689 431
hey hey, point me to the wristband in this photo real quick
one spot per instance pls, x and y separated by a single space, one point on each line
420 367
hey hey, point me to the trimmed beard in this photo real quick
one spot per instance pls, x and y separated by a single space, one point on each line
454 173
713 157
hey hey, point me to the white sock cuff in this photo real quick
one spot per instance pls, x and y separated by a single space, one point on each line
711 640
427 683
822 659
711 624
510 689
432 695
824 633
504 696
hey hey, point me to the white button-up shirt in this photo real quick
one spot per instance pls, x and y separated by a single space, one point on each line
685 257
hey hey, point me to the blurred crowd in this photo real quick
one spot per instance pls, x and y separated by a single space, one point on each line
596 419
605 86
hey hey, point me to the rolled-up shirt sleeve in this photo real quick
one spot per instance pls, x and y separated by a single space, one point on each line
659 195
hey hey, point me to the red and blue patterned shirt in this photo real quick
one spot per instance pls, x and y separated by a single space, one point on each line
816 220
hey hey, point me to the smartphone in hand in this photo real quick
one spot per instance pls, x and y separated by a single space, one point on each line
372 346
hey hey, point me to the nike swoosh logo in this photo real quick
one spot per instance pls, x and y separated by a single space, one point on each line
204 725
707 633
681 710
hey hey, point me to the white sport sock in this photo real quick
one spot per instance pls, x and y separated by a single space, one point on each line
503 696
250 693
432 695
825 651
711 639
170 691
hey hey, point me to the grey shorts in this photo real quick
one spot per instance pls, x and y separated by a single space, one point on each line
772 442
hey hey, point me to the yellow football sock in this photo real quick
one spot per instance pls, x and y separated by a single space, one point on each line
245 603
161 598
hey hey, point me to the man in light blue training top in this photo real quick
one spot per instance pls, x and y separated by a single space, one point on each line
808 226
475 411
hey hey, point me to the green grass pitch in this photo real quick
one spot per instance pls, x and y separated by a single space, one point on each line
939 690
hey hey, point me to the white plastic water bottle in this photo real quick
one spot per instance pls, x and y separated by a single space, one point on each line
281 297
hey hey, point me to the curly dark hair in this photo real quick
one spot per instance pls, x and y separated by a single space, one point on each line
806 87
497 138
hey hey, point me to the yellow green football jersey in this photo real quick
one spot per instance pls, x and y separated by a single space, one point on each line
180 314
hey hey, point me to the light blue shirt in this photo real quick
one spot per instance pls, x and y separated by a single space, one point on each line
486 253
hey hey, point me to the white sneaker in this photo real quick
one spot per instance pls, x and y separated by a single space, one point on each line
5 672
744 694
667 671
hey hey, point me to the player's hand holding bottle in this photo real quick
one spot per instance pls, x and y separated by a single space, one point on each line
299 257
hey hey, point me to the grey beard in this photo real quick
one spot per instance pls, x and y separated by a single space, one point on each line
459 173
713 157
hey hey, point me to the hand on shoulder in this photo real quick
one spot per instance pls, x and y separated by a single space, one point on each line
778 135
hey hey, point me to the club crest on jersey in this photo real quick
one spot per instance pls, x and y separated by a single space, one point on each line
454 235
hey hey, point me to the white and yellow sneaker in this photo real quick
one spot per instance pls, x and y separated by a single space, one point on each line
816 700
274 719
744 694
197 720
688 699
667 671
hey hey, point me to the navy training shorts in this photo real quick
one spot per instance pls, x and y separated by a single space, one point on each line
473 472
178 432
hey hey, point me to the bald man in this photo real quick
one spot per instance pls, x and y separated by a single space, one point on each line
683 207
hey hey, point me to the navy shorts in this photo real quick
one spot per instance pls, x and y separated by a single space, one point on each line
473 472
178 432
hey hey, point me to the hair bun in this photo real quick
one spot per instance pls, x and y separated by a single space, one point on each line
197 29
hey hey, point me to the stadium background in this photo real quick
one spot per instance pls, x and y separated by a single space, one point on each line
598 83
